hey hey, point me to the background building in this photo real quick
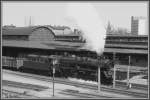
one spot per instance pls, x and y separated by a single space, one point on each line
45 40
40 33
139 25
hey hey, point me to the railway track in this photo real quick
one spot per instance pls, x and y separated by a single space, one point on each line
83 95
134 85
116 90
24 85
14 94
130 92
119 84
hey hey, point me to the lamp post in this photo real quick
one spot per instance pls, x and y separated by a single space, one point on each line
54 65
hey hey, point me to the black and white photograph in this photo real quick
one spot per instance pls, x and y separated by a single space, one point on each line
75 50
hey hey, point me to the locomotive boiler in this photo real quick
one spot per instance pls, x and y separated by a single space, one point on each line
69 66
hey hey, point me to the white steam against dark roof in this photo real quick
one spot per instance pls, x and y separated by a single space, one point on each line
88 20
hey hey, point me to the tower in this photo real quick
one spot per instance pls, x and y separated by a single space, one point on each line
138 25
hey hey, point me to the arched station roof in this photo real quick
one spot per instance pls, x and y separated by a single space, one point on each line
23 30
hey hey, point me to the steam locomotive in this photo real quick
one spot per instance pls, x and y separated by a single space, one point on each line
67 66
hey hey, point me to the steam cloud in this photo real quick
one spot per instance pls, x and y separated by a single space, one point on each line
88 20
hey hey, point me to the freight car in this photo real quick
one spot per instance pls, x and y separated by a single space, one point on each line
69 66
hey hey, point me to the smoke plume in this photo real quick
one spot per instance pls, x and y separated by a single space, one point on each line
88 20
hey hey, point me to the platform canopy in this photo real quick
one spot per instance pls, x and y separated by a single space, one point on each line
60 45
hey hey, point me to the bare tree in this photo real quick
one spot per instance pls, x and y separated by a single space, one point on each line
109 29
121 31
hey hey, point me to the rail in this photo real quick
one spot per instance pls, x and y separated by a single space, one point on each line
38 87
131 92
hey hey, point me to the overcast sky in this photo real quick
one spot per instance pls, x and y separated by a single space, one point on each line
54 13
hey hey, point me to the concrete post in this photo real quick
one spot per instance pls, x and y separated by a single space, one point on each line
99 78
54 65
53 79
128 72
114 78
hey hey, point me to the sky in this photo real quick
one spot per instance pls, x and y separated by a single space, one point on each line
55 13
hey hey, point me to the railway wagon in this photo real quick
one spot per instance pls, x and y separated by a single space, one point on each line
36 62
12 63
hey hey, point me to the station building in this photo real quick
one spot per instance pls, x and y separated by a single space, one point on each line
19 41
37 33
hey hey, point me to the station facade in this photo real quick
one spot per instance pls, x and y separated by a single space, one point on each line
46 40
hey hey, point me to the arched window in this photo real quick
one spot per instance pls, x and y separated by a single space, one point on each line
41 34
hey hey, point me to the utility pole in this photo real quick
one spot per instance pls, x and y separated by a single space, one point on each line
128 72
53 79
99 73
99 78
114 78
30 21
54 65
